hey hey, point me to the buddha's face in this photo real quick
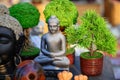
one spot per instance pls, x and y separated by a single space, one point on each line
53 27
7 45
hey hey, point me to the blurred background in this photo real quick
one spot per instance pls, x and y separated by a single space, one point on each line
109 9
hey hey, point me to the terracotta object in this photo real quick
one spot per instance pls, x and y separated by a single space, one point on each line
29 70
37 1
62 29
65 75
80 77
70 54
91 67
71 58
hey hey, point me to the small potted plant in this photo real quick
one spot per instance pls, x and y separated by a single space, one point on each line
67 14
28 16
30 54
70 54
96 37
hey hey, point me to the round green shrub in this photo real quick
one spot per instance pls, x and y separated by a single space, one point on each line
31 51
65 10
27 14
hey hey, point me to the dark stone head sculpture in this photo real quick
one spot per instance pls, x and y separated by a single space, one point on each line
11 39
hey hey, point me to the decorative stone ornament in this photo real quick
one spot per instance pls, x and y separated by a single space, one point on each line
10 22
10 36
3 10
29 70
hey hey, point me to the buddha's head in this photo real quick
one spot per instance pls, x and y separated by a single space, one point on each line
10 35
7 44
53 24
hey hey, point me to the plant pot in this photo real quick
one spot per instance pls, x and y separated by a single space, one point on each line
62 29
71 58
37 1
91 67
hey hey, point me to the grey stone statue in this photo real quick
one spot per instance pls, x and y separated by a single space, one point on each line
53 47
35 35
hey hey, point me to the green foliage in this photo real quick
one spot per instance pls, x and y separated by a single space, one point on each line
27 14
31 51
65 10
70 51
92 30
86 55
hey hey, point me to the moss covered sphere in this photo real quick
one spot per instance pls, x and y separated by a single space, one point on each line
65 11
27 14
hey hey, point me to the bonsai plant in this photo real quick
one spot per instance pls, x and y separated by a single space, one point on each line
70 54
93 35
67 14
28 16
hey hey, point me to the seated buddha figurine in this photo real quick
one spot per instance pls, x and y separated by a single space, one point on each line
10 35
53 47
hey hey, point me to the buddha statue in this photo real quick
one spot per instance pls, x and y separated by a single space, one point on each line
10 35
53 48
35 34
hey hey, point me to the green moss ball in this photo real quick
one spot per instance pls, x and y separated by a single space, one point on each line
27 14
